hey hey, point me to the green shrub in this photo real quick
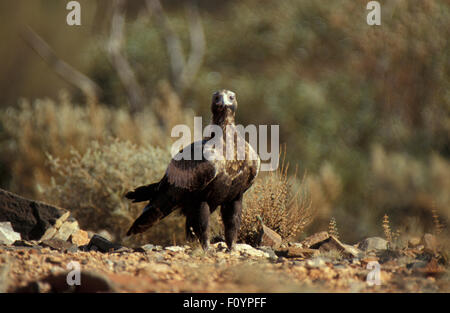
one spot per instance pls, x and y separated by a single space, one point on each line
92 186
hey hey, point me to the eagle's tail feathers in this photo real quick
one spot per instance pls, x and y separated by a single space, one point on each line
148 218
142 193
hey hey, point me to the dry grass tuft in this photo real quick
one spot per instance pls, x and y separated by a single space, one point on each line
332 228
281 201
387 228
438 227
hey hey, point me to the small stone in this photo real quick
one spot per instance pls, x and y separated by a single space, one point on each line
66 230
315 262
332 243
61 220
269 238
60 245
53 260
295 252
373 244
414 242
430 243
417 264
7 234
49 233
105 234
175 249
123 250
101 244
145 248
247 250
26 243
315 239
270 252
80 238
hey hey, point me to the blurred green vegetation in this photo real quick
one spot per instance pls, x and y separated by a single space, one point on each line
364 110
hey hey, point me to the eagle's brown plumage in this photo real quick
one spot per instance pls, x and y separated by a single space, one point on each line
198 187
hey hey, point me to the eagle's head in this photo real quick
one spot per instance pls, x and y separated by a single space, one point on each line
223 101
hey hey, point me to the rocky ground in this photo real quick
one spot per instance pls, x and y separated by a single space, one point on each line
186 269
45 252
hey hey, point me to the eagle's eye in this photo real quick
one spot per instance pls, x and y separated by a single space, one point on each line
231 97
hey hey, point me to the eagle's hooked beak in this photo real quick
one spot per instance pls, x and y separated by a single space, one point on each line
219 100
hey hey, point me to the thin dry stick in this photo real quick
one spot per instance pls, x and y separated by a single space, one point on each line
183 72
119 60
90 89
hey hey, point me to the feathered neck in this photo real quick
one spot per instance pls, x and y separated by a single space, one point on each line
223 118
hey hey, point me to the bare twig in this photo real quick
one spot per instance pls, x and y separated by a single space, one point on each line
119 61
198 46
183 72
90 89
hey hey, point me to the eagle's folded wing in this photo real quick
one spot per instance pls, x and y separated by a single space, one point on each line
189 173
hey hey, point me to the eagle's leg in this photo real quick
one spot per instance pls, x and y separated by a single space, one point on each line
190 234
197 223
231 216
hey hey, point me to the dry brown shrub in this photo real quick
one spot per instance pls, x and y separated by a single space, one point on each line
92 186
33 130
281 201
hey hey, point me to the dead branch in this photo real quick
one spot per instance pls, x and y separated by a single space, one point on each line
198 46
183 72
90 89
119 60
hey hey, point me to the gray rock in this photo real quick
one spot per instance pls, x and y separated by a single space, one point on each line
332 243
296 252
269 238
373 244
316 262
352 250
26 243
105 234
98 243
417 264
414 242
175 249
49 233
270 252
66 230
28 217
430 243
7 234
60 245
61 220
148 248
315 239
247 250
